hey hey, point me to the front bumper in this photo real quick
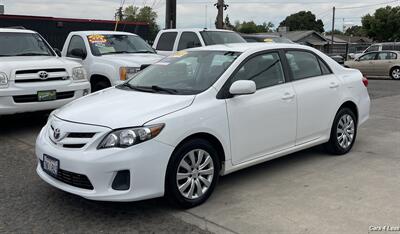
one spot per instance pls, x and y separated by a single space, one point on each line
9 106
147 163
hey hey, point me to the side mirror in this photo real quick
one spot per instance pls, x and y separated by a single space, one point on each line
78 53
58 52
243 87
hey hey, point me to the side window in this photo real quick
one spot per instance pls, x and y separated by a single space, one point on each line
384 56
372 48
76 42
303 64
370 56
166 41
393 56
265 70
189 40
324 68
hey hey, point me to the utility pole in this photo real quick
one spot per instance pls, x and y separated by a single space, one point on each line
118 17
333 28
170 14
221 6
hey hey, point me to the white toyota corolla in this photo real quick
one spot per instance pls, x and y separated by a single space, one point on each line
178 125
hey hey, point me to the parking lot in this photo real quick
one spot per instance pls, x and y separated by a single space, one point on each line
305 192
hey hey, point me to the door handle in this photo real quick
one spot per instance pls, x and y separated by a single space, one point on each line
333 85
288 96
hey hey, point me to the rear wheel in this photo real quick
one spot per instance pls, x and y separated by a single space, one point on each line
192 173
395 73
343 132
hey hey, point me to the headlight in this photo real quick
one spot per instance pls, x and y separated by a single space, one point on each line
79 74
126 73
3 80
128 137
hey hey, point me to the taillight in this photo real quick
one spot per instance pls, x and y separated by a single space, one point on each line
365 81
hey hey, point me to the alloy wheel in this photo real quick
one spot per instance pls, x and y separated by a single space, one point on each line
345 131
195 174
396 73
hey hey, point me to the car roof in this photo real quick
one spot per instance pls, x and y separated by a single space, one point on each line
87 33
243 47
260 36
195 30
14 30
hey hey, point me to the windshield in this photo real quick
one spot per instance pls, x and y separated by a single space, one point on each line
23 44
281 40
221 37
185 73
118 44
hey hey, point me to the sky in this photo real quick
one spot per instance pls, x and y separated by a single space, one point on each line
202 13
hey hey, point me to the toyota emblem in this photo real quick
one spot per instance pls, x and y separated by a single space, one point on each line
43 75
57 133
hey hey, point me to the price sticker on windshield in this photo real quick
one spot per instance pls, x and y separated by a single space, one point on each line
97 39
268 40
179 54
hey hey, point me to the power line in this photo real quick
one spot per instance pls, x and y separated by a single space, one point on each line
369 5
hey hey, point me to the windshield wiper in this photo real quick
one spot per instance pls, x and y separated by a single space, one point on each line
31 54
143 52
158 88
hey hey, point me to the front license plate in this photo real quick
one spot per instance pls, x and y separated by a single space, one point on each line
46 95
51 165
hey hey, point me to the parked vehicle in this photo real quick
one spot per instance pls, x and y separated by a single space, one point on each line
266 38
178 125
33 77
109 58
384 46
169 41
383 63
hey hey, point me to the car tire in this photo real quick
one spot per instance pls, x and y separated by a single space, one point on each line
189 181
395 73
343 132
99 85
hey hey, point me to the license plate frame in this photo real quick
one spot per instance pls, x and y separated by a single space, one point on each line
46 95
51 165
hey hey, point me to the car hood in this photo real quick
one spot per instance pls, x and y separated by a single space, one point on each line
117 108
33 62
134 60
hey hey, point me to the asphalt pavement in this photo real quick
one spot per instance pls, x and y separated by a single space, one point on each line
305 192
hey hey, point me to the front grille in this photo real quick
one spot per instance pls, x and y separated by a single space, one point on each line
72 140
38 70
40 80
71 178
34 97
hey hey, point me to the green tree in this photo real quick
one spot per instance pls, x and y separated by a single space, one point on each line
384 24
303 20
336 32
143 14
227 23
252 27
356 31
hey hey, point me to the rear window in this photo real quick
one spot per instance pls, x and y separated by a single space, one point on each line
166 41
221 37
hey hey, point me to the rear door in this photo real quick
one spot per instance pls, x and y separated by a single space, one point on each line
188 40
384 62
166 43
317 91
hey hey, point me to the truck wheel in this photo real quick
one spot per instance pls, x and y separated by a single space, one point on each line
99 85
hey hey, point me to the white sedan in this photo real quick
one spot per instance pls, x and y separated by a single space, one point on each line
178 125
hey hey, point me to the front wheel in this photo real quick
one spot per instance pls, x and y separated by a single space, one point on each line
395 73
343 132
192 173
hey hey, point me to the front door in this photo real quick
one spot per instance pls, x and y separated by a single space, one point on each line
264 122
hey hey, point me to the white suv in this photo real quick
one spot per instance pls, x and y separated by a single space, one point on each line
169 41
33 77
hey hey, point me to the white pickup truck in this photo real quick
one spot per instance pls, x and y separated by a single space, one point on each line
33 77
109 57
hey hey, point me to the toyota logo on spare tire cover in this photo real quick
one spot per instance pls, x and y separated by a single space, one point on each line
43 75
